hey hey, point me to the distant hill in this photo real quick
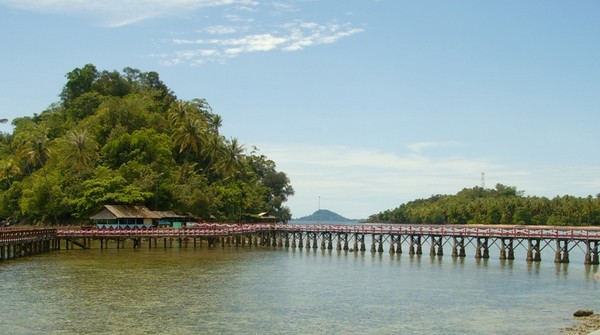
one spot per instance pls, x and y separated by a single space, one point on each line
324 215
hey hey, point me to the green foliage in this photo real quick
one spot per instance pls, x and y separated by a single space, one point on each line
501 205
124 138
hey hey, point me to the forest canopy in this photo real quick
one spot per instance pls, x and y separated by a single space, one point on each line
124 138
500 205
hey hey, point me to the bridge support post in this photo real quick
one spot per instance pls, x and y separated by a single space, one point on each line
373 248
588 253
486 248
482 245
565 256
557 256
562 252
419 246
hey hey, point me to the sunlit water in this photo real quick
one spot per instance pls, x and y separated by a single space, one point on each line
277 290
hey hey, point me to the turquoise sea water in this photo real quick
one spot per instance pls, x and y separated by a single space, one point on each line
253 290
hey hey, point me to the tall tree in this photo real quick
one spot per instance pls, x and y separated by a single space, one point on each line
189 136
231 159
82 148
79 81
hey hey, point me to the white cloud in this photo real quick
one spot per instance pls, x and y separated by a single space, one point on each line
221 30
419 147
292 36
116 13
243 28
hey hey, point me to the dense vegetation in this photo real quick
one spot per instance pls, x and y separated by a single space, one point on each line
502 205
124 138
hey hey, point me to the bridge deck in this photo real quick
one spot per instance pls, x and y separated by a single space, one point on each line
15 243
523 232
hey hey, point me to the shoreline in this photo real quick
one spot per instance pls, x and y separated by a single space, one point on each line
584 325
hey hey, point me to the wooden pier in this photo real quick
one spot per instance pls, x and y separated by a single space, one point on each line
15 243
436 240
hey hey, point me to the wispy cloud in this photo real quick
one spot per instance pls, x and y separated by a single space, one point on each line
239 27
419 147
116 13
292 36
363 181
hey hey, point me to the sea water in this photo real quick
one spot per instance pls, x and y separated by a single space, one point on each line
264 290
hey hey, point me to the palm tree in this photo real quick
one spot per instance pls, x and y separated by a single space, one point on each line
216 123
82 148
9 169
213 150
230 163
189 136
178 112
37 151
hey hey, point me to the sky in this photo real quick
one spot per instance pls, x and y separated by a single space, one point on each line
364 104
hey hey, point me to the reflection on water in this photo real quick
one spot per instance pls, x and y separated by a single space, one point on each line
314 291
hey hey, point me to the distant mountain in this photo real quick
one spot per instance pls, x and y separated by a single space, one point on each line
324 215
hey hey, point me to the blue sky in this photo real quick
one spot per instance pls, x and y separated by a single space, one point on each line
364 104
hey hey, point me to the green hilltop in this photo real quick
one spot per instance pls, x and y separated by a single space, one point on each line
124 138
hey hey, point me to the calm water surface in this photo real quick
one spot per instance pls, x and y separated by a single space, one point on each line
261 291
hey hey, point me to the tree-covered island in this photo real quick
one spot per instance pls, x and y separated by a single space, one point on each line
124 138
500 205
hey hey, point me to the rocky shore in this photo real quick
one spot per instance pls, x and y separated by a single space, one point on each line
584 325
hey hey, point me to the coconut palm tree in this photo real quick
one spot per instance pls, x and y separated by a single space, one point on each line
189 136
212 151
178 112
230 162
8 170
38 151
82 148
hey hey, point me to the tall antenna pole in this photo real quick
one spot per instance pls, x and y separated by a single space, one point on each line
483 180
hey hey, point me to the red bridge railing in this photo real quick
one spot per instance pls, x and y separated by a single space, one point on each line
221 229
18 234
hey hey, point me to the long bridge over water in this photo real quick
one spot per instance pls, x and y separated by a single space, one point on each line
378 238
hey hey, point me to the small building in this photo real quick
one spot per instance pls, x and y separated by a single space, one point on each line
171 219
123 217
265 217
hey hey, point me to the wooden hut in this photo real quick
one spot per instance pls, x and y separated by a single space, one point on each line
124 217
171 219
